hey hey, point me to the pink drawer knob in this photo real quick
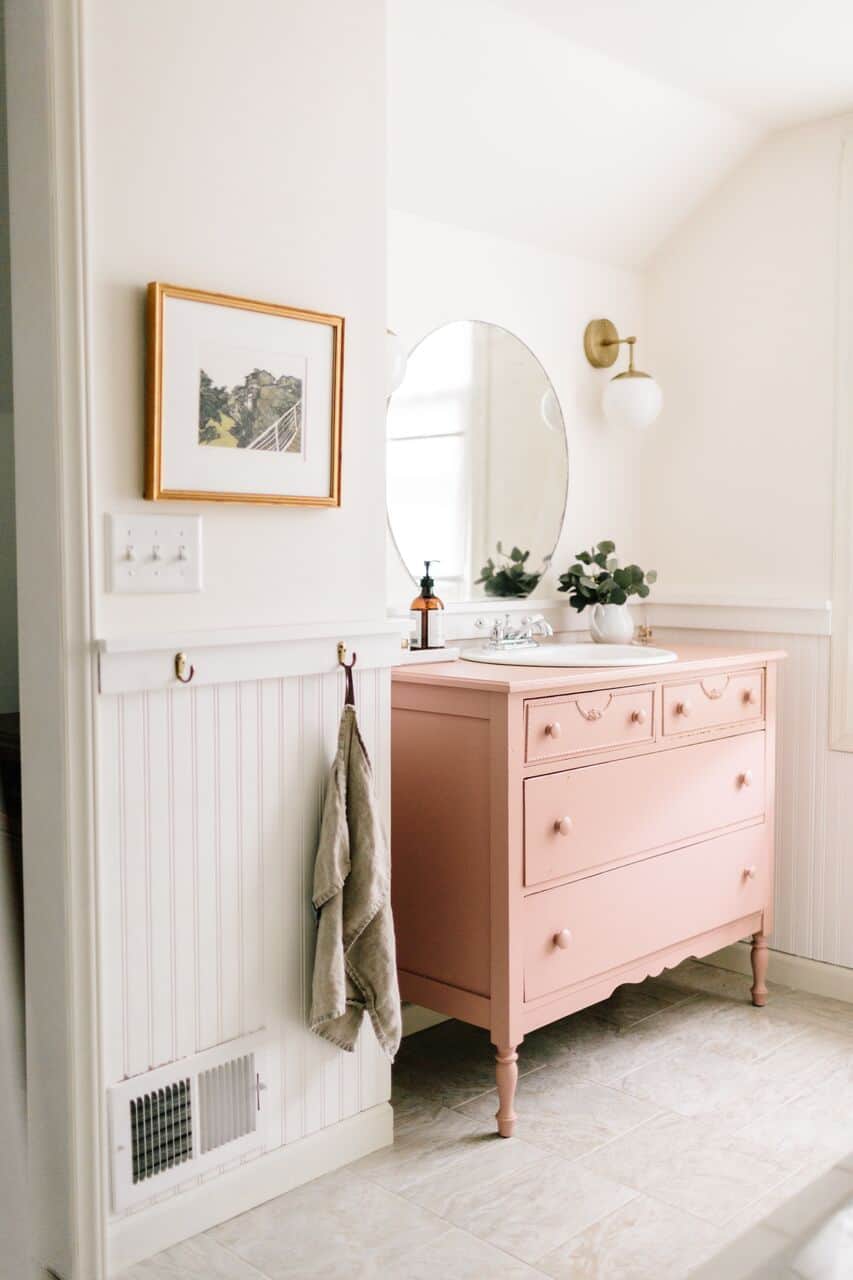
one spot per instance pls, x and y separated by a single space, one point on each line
683 708
749 873
749 697
640 716
553 730
563 826
563 939
746 778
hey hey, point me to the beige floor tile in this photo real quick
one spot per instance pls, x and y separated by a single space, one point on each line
567 1116
479 1157
693 1081
599 1051
750 1034
430 1142
495 1159
644 1240
688 1164
836 1015
533 1210
797 1133
460 1256
198 1259
339 1227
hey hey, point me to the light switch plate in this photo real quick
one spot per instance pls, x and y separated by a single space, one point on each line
148 554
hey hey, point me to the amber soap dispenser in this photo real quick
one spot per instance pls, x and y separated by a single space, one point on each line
427 614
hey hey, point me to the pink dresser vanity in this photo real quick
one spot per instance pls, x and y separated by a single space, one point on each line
559 831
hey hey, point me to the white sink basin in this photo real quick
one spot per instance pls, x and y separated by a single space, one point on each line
573 655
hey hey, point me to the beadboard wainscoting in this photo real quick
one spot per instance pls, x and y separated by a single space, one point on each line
814 799
211 802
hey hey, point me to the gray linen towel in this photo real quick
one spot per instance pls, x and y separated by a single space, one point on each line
355 967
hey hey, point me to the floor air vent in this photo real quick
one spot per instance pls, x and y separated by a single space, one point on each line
161 1129
186 1118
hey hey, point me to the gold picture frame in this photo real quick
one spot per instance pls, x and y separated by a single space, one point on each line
157 486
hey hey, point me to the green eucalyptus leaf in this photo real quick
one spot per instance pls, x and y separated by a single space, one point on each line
642 590
618 596
652 575
607 547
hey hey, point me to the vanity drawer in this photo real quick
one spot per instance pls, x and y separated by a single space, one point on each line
589 927
580 819
560 727
713 702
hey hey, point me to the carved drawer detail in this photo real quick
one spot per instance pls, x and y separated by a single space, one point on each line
714 702
595 721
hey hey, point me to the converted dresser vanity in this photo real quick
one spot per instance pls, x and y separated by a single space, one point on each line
560 831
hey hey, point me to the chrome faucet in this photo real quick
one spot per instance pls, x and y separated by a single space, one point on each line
502 634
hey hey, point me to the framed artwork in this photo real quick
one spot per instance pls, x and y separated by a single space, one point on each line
243 400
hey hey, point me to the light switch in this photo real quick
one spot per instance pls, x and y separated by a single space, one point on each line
148 554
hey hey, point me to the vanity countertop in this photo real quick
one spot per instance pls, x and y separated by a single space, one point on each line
540 680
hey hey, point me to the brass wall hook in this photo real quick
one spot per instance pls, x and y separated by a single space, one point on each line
349 696
182 666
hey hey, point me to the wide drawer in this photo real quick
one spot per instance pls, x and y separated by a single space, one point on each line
713 702
580 819
589 927
560 727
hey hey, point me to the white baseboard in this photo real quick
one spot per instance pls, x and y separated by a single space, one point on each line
814 976
143 1234
416 1018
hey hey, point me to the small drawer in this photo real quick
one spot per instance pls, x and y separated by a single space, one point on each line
604 718
576 931
580 819
713 702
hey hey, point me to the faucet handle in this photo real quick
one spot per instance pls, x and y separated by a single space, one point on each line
495 629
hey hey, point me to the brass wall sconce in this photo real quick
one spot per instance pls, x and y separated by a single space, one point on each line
632 398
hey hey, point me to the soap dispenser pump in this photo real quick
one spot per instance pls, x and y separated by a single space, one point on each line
427 613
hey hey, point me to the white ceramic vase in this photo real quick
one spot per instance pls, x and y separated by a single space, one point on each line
611 624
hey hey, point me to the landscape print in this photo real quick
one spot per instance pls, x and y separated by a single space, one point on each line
250 400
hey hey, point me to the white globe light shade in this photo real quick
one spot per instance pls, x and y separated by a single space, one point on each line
396 359
632 400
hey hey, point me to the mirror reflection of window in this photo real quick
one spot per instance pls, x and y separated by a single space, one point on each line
476 456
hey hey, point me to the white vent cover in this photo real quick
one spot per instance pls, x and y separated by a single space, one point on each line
177 1121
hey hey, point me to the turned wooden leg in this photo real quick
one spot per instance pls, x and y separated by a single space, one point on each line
759 969
506 1072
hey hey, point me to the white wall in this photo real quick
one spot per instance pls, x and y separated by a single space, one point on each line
737 474
741 323
215 152
240 148
438 273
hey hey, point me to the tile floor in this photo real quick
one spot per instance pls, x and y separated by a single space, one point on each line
653 1130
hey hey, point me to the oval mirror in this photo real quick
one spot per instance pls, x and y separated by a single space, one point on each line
477 463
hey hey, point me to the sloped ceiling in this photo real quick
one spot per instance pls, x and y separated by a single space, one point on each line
778 62
505 119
